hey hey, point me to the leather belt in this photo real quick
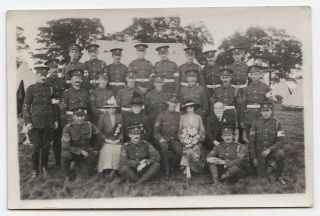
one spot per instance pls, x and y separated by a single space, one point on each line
128 109
71 112
229 107
142 80
214 86
117 83
253 106
168 80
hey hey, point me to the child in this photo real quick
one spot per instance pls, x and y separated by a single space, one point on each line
191 133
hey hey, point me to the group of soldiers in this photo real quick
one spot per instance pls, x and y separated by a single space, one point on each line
63 110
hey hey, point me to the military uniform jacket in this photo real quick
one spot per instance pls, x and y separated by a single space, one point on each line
131 154
195 93
93 67
233 153
170 71
73 98
97 97
211 76
265 133
256 93
240 73
117 72
213 126
155 102
143 67
71 66
189 66
167 125
78 137
226 95
37 106
124 96
58 84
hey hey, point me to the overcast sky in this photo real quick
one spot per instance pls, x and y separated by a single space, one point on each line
221 22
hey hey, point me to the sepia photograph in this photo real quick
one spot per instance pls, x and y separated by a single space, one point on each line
160 108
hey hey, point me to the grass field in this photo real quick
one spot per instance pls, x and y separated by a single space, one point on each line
97 187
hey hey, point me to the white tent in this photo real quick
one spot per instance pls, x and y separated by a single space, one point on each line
295 100
26 74
281 89
176 52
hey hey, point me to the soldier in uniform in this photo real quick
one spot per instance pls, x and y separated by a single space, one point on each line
75 55
40 119
227 94
165 133
136 117
253 95
227 160
59 85
168 69
211 73
117 71
92 67
266 142
99 96
124 95
155 101
214 123
195 93
73 97
139 160
80 144
189 65
239 80
143 68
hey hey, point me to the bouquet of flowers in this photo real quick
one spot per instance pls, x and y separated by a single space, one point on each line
189 137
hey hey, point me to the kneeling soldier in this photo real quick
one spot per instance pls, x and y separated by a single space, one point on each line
139 160
80 141
266 143
165 133
227 159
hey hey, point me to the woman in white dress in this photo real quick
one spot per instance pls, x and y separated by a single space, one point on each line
110 125
191 134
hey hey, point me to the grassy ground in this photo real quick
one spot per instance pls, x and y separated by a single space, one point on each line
97 187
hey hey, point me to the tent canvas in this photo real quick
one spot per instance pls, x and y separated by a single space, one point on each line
176 52
281 89
295 100
26 74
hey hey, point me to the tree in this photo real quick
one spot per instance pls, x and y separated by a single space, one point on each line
21 45
271 47
58 34
165 30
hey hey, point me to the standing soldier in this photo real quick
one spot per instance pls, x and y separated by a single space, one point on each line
165 133
227 160
155 101
40 119
143 68
117 71
211 73
80 144
195 93
139 160
228 95
75 55
92 67
168 69
253 95
239 79
73 97
189 65
99 96
266 142
59 85
124 95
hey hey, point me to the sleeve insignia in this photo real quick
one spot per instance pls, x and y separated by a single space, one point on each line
280 134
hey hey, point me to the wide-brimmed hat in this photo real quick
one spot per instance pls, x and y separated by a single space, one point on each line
111 103
189 103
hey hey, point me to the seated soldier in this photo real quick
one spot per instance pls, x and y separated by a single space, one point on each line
166 134
79 145
139 160
226 161
266 143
